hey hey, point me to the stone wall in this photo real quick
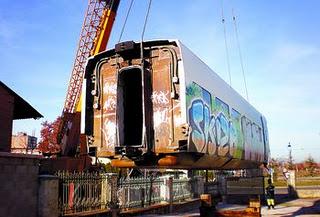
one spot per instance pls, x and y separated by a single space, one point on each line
19 185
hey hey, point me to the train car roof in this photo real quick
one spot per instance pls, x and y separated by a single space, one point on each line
222 89
190 60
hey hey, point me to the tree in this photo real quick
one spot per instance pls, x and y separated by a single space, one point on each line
48 144
275 164
310 165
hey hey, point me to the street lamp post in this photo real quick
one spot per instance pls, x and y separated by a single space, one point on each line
291 178
290 156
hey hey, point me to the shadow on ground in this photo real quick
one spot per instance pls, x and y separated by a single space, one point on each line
313 209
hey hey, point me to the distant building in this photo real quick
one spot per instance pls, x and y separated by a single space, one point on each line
24 144
12 107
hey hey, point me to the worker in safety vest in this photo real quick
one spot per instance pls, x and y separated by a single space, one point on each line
270 194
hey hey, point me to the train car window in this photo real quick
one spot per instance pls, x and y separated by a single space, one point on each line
236 134
235 114
256 142
255 135
260 134
196 92
246 126
222 107
254 132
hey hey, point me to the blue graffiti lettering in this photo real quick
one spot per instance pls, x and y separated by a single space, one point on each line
223 135
198 124
210 134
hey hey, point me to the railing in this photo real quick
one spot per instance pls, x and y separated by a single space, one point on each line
211 188
84 191
139 192
80 192
181 189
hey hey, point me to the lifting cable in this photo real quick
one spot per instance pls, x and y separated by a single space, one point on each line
144 131
125 21
240 53
225 42
144 28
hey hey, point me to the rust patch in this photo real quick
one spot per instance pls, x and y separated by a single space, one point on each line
165 109
105 117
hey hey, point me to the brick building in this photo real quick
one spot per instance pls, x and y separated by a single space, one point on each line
23 143
18 172
12 107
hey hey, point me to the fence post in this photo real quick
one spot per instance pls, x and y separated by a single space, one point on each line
198 186
105 192
291 182
168 191
170 188
48 204
114 205
143 195
222 187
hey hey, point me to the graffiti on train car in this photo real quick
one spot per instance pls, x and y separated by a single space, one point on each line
109 101
160 97
218 131
160 100
110 91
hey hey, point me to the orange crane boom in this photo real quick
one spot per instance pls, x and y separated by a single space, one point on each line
94 36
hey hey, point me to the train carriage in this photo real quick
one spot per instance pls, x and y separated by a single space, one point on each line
159 105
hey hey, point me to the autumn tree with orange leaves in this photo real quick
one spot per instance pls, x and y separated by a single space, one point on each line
48 144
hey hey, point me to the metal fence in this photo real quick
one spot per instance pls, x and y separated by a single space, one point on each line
84 191
212 188
181 189
139 192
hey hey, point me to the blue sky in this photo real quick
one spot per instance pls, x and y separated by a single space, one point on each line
279 39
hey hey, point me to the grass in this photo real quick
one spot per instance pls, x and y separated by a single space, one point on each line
305 182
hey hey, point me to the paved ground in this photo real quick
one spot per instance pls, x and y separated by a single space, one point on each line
286 208
298 207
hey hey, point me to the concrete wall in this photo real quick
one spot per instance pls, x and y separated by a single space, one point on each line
18 185
48 196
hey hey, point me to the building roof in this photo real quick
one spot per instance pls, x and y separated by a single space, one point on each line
22 109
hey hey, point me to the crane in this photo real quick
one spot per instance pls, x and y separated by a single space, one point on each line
94 36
